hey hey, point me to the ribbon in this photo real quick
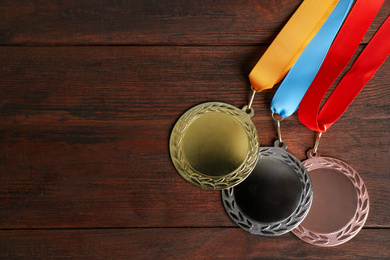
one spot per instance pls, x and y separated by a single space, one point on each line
294 86
341 51
290 42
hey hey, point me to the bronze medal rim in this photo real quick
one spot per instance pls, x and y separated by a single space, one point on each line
356 223
279 227
198 178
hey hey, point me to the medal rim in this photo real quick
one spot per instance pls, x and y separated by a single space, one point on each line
197 178
356 223
278 227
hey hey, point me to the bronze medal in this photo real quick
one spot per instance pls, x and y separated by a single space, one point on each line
215 145
340 203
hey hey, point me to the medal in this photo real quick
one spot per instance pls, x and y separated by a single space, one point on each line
275 198
277 195
215 145
341 203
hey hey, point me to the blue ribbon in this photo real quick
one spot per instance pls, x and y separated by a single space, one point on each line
294 86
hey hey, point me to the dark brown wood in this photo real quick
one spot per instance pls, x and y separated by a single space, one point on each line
84 130
85 134
148 22
181 243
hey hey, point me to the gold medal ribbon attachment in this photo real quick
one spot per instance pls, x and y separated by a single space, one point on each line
215 145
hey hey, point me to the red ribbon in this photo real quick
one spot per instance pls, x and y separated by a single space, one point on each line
341 51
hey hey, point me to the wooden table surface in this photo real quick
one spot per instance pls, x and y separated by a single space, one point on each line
89 93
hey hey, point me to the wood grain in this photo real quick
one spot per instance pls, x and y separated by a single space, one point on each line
148 22
85 133
89 93
181 243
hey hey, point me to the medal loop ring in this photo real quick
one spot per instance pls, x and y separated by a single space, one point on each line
252 98
278 120
317 143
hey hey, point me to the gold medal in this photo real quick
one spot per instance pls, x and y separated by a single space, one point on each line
215 145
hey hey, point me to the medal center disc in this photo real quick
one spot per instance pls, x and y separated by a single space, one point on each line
334 201
215 144
271 193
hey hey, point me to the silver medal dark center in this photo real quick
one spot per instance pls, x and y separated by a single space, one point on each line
275 198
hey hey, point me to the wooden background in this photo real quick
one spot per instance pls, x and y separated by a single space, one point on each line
89 93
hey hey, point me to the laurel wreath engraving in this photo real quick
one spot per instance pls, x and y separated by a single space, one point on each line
197 178
361 214
280 227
